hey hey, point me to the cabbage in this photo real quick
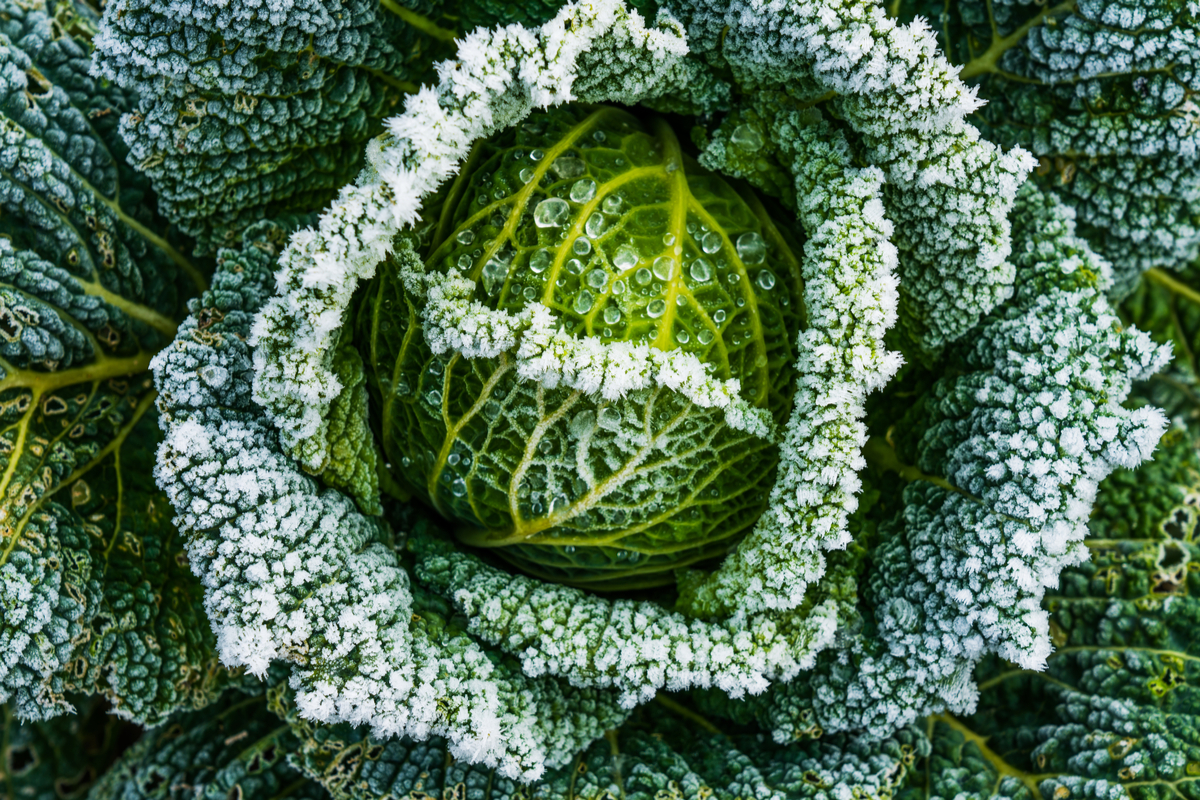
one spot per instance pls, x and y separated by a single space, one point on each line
601 217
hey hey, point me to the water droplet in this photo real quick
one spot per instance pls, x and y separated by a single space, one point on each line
711 242
734 278
545 446
453 459
405 461
569 549
574 266
691 226
741 301
494 273
766 280
552 213
680 301
668 239
465 237
567 167
612 315
701 270
526 175
705 336
611 204
582 246
598 136
500 193
458 488
583 190
584 302
402 386
559 502
529 294
747 138
656 308
618 287
597 279
642 276
537 155
751 248
464 261
491 409
682 337
620 162
596 225
607 332
433 397
540 260
671 167
482 200
625 258
610 418
719 316
664 268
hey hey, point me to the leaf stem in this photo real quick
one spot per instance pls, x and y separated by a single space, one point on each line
423 24
990 58
678 708
1164 279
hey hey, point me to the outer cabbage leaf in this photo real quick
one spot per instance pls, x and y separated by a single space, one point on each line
1103 94
255 111
235 749
1009 446
96 597
60 758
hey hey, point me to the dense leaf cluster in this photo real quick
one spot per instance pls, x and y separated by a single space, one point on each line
635 343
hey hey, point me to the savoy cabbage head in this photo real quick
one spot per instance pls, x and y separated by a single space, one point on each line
599 399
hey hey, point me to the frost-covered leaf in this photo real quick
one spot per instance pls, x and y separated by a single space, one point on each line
235 749
1103 94
96 594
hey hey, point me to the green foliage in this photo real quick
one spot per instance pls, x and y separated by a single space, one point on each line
604 220
97 595
235 749
1102 93
60 758
1167 304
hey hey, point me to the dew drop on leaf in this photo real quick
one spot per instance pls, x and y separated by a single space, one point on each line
705 336
553 212
701 270
465 237
642 276
596 225
433 397
612 315
618 287
540 260
597 279
574 266
711 242
610 418
583 302
751 248
567 167
664 267
582 246
656 308
458 488
625 258
682 336
668 239
747 138
611 204
719 316
583 189
526 175
766 280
